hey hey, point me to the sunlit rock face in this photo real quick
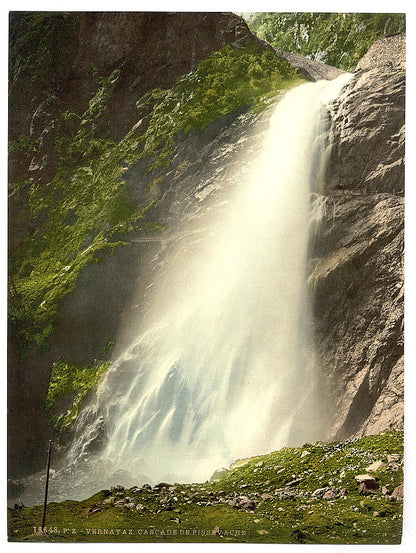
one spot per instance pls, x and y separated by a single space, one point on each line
358 254
368 124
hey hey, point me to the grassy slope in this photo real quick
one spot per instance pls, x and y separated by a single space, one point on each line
287 513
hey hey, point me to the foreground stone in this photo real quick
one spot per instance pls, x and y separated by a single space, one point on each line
398 493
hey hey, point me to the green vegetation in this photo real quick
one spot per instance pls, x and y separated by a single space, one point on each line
226 80
282 485
23 144
39 45
71 383
79 212
76 217
338 39
322 465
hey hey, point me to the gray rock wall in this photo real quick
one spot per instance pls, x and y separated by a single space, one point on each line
358 255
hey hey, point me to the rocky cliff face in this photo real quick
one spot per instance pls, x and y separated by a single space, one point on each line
151 50
358 274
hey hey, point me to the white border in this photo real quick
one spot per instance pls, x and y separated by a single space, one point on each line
379 6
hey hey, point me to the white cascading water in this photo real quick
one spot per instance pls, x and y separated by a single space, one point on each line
223 367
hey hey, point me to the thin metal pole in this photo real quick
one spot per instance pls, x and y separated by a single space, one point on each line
46 486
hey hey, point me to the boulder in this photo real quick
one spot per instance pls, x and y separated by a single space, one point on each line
162 485
377 465
364 478
246 503
130 505
118 489
219 474
242 502
398 493
367 484
368 487
329 494
394 458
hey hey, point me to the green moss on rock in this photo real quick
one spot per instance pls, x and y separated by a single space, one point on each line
69 385
227 79
282 506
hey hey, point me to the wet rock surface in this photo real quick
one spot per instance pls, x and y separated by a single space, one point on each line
357 274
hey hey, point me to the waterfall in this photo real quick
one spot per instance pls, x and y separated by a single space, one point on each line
222 366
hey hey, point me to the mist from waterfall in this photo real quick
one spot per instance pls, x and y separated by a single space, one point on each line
222 367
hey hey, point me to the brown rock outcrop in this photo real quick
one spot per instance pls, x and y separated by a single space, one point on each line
398 493
151 49
358 255
368 122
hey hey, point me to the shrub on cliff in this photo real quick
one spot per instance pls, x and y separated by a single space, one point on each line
70 384
227 79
